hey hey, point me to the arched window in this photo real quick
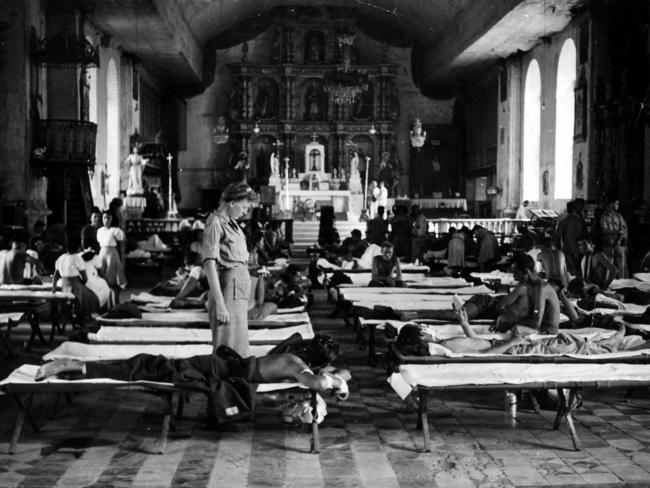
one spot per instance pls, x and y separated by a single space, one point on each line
112 131
531 132
564 119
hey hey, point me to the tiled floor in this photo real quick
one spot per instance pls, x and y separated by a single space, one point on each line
103 439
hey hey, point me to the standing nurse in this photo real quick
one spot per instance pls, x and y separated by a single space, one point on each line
225 261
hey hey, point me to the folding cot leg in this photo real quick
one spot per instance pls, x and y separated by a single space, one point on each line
315 437
423 419
23 408
54 314
32 318
5 339
167 399
372 357
564 409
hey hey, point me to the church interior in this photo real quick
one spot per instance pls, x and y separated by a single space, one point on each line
511 118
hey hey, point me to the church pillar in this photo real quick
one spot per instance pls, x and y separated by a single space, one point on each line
510 170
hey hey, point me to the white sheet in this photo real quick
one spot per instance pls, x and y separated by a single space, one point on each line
405 267
622 308
144 297
100 352
15 316
467 290
299 317
362 279
148 335
460 374
642 276
172 317
505 278
25 374
630 283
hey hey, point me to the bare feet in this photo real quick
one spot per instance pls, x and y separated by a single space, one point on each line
48 369
57 366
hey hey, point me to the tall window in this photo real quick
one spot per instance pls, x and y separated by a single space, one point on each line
112 131
531 132
564 119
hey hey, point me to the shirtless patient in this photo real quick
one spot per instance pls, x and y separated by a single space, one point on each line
412 335
224 364
533 306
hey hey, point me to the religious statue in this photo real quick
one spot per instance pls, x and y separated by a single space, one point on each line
294 173
274 164
220 131
241 167
312 103
354 164
136 164
314 48
266 99
342 174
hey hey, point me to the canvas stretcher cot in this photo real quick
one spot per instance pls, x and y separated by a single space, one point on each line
198 319
32 304
22 387
489 372
105 352
177 335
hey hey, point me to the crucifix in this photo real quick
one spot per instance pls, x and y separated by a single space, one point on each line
171 207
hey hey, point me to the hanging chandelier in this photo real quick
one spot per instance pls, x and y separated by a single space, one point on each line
418 136
345 85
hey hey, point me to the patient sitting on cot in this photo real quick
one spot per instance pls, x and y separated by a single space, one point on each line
229 380
533 306
413 340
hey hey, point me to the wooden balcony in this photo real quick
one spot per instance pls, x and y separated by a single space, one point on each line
65 141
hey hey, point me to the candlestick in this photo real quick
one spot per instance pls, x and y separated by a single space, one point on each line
286 179
365 188
171 211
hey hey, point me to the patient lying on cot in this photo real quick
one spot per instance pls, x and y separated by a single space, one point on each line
229 380
258 309
412 339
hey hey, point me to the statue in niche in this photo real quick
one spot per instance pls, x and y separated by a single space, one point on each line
580 177
354 164
241 167
363 105
266 100
236 101
312 102
314 43
136 164
274 163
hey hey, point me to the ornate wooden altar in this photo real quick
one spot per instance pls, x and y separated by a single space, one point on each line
288 101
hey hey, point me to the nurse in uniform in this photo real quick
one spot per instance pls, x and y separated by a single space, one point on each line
225 261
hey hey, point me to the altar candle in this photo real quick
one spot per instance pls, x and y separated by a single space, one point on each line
286 179
365 191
